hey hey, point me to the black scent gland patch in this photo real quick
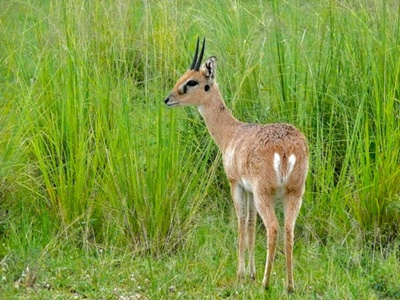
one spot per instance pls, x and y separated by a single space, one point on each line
221 107
206 87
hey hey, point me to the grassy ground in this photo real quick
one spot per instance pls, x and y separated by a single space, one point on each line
107 194
204 269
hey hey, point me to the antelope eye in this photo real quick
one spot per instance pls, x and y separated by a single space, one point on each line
192 83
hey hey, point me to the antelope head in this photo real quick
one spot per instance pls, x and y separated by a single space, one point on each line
195 86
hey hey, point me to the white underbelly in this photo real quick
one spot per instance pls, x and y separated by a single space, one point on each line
246 185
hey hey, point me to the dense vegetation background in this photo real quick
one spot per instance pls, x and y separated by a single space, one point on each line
106 193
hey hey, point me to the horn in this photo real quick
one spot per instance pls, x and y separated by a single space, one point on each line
197 67
195 56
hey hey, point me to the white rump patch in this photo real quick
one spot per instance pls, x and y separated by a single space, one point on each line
277 167
277 164
292 161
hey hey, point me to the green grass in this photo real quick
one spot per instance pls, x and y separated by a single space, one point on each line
99 180
203 269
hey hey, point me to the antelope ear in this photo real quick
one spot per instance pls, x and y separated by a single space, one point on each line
209 69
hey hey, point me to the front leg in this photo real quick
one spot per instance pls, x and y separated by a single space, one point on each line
239 200
251 224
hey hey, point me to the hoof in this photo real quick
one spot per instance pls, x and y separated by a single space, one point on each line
265 285
240 277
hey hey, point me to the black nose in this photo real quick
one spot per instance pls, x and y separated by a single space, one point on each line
166 100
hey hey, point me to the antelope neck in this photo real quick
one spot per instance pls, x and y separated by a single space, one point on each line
220 122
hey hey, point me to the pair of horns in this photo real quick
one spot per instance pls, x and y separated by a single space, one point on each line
197 62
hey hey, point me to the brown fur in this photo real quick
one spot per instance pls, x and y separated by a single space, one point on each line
255 173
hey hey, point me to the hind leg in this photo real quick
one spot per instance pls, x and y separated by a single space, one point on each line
264 203
292 206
